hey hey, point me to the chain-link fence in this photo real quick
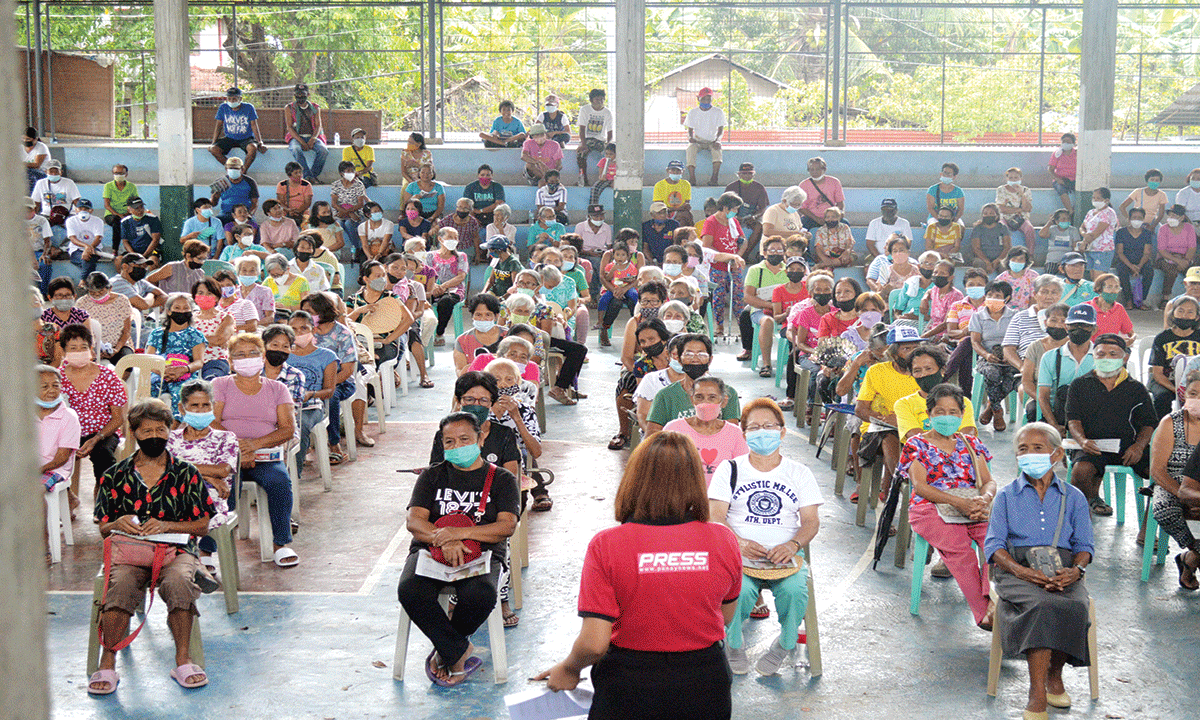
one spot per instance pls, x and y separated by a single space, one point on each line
902 71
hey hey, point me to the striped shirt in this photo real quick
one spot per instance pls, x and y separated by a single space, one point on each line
1023 330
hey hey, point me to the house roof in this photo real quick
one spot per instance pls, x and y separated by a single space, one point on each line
209 82
1184 111
722 58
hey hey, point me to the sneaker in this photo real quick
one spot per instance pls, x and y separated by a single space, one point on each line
739 663
940 570
772 659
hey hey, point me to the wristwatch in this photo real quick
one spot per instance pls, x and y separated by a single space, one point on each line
1082 570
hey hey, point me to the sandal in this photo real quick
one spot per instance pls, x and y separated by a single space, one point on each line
561 396
787 405
1099 507
765 372
1186 570
743 356
457 678
760 611
619 442
185 675
286 557
511 619
542 503
336 458
364 441
103 676
426 383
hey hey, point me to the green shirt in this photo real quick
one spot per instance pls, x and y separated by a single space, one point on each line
119 199
581 283
1076 294
672 402
761 278
502 275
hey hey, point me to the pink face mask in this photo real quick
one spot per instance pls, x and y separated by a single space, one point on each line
304 340
78 358
206 302
485 181
693 262
1192 405
708 411
248 367
411 214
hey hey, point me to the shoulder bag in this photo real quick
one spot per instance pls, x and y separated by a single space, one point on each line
472 549
948 512
366 176
762 573
1046 558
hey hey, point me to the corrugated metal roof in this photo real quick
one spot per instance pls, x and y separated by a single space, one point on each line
1184 111
716 56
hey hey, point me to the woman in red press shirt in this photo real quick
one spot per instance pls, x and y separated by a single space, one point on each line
656 594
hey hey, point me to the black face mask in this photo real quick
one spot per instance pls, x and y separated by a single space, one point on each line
1056 333
904 363
1184 323
392 279
831 224
795 277
944 221
822 299
137 273
195 265
928 382
29 143
275 358
181 318
774 259
926 273
463 214
844 305
941 281
649 313
695 370
1079 336
990 219
152 447
655 350
325 219
303 256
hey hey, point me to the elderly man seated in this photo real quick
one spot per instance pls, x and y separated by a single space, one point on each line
1044 616
1111 416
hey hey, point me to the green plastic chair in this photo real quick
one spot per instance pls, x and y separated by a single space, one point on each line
1149 557
212 267
920 558
1116 474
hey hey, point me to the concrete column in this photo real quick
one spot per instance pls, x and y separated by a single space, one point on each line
629 112
23 691
1097 78
173 96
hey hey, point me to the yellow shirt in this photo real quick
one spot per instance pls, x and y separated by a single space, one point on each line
911 414
366 152
942 237
882 386
672 194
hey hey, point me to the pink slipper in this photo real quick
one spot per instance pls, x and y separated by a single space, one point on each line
104 676
184 674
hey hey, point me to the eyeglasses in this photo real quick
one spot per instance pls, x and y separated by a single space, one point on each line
485 400
700 356
768 426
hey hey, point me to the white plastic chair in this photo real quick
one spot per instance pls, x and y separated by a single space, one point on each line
374 378
246 491
495 623
97 335
58 519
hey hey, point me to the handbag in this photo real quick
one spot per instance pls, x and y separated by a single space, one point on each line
366 177
178 359
121 549
777 572
473 551
948 512
1046 558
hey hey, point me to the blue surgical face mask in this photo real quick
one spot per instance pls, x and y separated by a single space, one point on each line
1194 184
946 180
49 403
376 216
704 105
1035 465
1016 266
247 280
945 425
199 420
793 210
233 173
672 269
763 442
975 292
1064 225
675 365
206 213
675 177
731 214
1109 365
463 455
484 325
568 266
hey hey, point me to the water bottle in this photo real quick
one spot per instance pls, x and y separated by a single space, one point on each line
337 138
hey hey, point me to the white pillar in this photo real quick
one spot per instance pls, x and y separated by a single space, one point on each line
23 689
629 111
1097 78
173 95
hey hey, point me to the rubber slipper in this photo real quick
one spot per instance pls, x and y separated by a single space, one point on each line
618 442
286 557
1099 507
1181 563
336 458
542 504
428 670
184 674
760 612
365 441
511 620
426 383
457 678
104 676
787 405
765 371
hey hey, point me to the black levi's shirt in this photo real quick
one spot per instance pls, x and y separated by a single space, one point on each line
1121 413
444 489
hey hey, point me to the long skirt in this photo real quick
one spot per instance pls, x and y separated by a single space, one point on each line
1032 617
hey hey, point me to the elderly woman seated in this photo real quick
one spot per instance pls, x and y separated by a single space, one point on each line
1170 467
287 287
181 344
114 313
97 395
259 411
151 492
952 491
213 452
1044 616
488 496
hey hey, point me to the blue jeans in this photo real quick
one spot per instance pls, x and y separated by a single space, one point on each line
350 230
214 369
308 418
319 154
87 266
1099 261
343 391
44 270
274 479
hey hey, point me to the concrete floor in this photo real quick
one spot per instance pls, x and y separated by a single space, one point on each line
317 641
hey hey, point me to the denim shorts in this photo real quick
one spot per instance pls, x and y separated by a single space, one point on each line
1099 260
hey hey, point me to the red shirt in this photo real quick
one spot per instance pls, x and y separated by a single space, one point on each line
662 586
725 238
1116 320
786 299
831 326
94 405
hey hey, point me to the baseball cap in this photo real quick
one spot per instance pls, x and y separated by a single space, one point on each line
537 129
134 258
1082 313
1072 258
746 166
595 209
135 201
1193 274
704 91
30 203
903 334
84 203
497 242
888 202
659 206
235 90
675 165
356 131
796 260
54 164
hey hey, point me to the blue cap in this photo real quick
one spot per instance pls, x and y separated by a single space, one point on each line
903 334
1082 313
497 242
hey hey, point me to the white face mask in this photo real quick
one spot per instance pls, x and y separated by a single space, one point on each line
595 223
1013 183
819 178
233 173
118 178
359 142
1136 223
349 177
1173 222
450 245
85 216
235 104
246 240
674 326
1068 147
551 108
1099 204
272 218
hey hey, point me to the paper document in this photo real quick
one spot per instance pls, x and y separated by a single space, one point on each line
170 538
430 568
768 565
1108 445
549 705
876 426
